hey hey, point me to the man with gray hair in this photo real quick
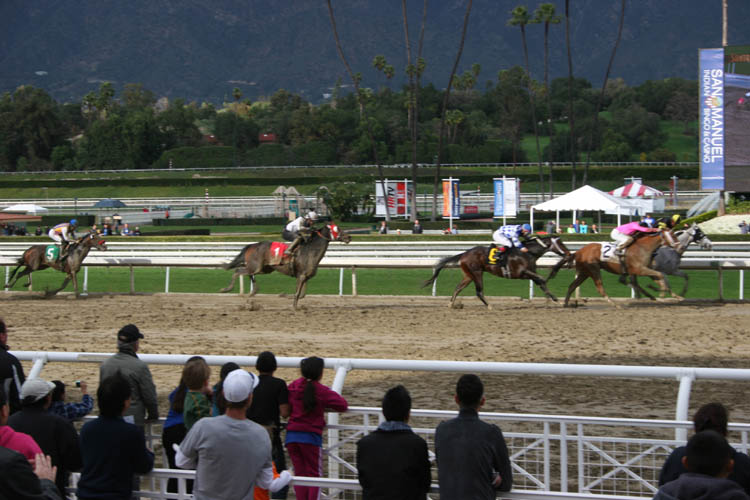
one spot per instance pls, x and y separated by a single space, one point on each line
143 403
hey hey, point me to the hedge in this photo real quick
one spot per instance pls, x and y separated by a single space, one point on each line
223 221
51 220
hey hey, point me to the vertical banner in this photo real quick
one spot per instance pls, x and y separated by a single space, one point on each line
451 193
398 196
711 81
507 197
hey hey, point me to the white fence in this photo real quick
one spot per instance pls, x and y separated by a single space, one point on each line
551 454
373 255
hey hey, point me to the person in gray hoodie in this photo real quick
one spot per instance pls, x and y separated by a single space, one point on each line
143 403
708 459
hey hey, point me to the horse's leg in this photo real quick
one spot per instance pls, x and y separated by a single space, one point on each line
596 275
538 280
681 274
74 277
253 286
230 287
478 278
304 290
656 275
580 278
12 281
25 272
468 278
49 293
301 280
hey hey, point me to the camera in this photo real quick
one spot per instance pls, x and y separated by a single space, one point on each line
78 383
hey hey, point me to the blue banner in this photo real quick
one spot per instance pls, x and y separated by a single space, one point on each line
711 81
499 200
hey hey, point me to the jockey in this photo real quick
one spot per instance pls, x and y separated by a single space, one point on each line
64 233
298 230
506 237
668 222
624 235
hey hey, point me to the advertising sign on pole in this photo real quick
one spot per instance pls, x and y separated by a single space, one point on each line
451 198
507 197
399 194
711 82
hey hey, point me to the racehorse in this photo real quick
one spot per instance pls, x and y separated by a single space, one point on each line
592 258
667 259
36 258
520 265
264 258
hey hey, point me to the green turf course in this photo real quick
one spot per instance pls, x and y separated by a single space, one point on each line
703 284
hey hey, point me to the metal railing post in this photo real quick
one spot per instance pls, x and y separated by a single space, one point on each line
354 281
333 418
742 284
683 402
39 362
166 281
341 281
85 279
132 280
563 457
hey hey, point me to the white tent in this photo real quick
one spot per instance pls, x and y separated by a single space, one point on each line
26 208
585 198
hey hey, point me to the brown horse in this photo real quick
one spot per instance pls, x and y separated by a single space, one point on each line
257 258
36 258
592 258
520 265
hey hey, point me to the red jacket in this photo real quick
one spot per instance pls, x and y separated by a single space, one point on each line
315 420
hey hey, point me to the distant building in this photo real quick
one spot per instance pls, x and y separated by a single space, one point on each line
267 138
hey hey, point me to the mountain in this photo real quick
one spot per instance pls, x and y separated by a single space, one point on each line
201 50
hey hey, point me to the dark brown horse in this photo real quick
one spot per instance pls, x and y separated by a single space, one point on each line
592 258
265 257
520 265
36 258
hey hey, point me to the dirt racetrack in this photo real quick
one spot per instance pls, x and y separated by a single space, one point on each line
669 333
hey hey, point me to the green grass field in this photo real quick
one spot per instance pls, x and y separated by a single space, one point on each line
703 284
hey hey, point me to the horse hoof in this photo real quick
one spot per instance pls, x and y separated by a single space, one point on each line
489 307
456 305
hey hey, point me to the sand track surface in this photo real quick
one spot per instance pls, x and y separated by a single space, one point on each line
668 333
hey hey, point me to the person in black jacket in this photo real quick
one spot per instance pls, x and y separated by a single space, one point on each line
55 436
19 481
472 456
392 462
715 417
11 371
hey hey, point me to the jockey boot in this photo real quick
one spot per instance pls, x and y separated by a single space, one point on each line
623 269
290 249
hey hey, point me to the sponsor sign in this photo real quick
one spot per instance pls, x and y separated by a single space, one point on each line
711 91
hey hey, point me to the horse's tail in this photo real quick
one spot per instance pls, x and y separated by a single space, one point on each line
568 260
439 267
239 260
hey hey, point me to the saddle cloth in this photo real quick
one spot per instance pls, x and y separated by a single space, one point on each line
276 252
608 253
52 253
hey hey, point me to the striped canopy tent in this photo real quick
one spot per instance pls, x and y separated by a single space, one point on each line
636 190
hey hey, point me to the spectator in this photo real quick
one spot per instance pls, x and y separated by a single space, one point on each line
38 231
713 417
173 430
126 230
594 229
550 227
743 227
11 371
137 231
55 436
16 441
472 457
197 404
393 462
583 228
383 228
270 404
219 403
308 401
708 460
106 230
70 411
417 229
143 392
571 229
232 454
19 481
113 450
577 226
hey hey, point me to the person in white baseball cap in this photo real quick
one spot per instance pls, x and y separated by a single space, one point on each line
231 454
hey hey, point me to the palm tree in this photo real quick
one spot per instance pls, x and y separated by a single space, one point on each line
571 121
361 98
601 94
446 96
545 13
520 17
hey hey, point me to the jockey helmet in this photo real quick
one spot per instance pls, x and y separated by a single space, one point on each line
73 222
676 218
312 215
526 227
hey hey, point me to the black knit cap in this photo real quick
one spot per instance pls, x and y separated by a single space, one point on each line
129 333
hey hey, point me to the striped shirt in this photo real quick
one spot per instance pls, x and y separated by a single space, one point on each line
512 232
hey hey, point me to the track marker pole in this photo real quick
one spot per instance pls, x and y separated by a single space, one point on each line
166 282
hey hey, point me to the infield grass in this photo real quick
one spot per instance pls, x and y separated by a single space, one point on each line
703 284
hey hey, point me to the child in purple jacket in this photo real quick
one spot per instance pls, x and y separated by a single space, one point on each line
309 399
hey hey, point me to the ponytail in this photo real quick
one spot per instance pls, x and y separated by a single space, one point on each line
312 369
